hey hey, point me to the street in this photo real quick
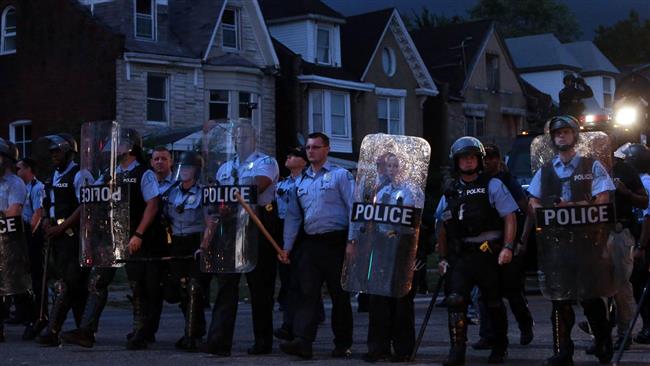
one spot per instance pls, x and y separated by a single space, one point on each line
116 323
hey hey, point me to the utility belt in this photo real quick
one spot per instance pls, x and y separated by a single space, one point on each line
332 236
70 231
488 242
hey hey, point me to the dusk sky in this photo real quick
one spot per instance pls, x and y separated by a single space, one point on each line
590 13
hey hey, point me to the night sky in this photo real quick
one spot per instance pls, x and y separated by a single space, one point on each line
590 13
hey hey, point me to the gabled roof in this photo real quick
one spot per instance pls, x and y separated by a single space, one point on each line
589 56
309 68
442 50
541 52
279 10
359 38
195 21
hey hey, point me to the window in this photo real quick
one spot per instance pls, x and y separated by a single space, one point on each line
145 19
608 92
229 29
323 46
20 132
389 115
492 71
8 36
224 104
388 61
219 101
157 98
474 126
247 105
329 112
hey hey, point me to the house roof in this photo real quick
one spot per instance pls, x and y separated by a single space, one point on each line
590 57
440 48
194 21
541 52
281 9
359 38
309 68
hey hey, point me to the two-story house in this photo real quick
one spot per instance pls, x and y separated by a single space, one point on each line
154 65
482 94
543 61
347 77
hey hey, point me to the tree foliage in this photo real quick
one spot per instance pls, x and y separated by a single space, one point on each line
517 18
427 19
626 42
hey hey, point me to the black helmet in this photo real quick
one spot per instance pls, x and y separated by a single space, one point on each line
190 158
467 145
8 149
638 155
564 121
62 141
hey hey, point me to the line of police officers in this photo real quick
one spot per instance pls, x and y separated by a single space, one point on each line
477 238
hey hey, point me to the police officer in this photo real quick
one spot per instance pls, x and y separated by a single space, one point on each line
12 198
32 217
322 208
564 133
61 226
263 170
512 276
296 163
571 96
182 207
479 226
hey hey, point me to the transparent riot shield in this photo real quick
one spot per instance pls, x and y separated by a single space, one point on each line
105 215
229 242
14 260
574 260
386 215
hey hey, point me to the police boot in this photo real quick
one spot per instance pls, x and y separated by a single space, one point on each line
194 318
562 320
499 319
596 313
58 313
84 336
138 340
458 338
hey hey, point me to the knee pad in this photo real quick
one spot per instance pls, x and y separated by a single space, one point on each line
456 301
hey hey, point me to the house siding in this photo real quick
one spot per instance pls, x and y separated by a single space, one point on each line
294 36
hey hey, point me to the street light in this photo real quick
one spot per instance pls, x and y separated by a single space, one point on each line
627 116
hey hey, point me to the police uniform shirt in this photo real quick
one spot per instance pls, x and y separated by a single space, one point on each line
283 195
165 184
12 191
148 184
326 198
257 164
190 218
392 194
34 199
601 180
83 177
499 196
645 179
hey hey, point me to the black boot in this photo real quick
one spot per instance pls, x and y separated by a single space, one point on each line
139 339
499 321
458 338
85 335
562 320
58 313
194 317
596 313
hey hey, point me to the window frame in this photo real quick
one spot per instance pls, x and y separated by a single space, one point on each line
22 145
608 93
167 99
154 21
473 120
492 75
234 104
330 40
392 59
400 121
236 29
339 143
3 31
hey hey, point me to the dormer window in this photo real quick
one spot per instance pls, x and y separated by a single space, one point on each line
145 19
230 29
8 29
324 46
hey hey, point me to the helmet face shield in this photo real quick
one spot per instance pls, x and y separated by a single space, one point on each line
464 146
559 123
188 166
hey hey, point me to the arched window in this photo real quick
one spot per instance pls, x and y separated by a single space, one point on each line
8 31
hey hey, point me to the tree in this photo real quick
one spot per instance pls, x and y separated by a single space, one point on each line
625 42
517 18
426 19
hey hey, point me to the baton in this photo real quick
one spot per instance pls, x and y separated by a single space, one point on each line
259 224
639 307
42 320
423 327
155 259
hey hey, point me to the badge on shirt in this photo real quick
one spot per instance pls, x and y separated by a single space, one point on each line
327 177
250 165
191 199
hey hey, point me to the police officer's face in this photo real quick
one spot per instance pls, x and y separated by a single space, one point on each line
563 136
392 167
161 161
187 173
23 171
316 150
491 164
294 162
58 156
468 163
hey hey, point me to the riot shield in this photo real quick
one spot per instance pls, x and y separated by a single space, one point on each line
386 215
14 260
574 260
229 242
105 215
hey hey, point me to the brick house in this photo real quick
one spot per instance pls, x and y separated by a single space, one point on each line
346 76
154 65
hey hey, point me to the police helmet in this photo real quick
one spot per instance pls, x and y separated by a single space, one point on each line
8 149
467 145
560 122
190 158
62 141
638 155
